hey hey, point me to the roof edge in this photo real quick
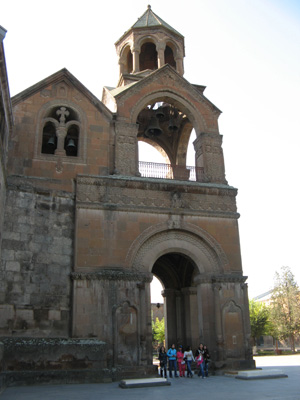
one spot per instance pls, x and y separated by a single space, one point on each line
56 77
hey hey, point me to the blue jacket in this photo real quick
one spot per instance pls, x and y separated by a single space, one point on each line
172 354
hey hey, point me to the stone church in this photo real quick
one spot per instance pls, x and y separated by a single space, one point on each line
85 223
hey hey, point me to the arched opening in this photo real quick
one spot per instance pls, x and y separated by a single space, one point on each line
71 141
176 271
190 155
167 128
49 140
148 56
169 57
129 62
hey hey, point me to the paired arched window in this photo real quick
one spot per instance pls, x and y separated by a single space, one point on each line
61 131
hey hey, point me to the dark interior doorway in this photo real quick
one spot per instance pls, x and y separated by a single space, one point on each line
176 272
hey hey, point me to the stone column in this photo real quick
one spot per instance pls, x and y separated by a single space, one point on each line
122 67
247 326
135 60
61 133
179 65
170 316
218 320
209 156
160 48
145 324
191 315
126 159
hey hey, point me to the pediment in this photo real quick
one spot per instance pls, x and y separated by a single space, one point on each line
167 78
61 81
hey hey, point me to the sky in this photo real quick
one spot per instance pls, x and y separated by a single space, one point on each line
246 53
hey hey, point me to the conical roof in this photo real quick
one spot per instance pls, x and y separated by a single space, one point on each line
149 20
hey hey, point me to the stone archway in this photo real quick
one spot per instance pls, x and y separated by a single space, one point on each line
176 272
178 257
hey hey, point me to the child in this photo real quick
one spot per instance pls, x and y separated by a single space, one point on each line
181 362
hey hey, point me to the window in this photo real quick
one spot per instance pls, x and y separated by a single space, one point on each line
61 130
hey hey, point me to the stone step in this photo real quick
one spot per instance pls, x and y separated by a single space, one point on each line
145 382
261 374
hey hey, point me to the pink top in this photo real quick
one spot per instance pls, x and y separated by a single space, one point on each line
179 356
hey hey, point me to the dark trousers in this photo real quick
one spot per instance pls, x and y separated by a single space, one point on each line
172 365
206 363
163 370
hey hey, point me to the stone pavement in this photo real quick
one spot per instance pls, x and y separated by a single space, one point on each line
213 388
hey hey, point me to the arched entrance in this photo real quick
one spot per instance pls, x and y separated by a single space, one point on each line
176 272
185 258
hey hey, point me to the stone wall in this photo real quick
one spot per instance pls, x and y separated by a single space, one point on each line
2 200
37 257
28 361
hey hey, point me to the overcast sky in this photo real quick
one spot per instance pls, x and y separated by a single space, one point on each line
247 53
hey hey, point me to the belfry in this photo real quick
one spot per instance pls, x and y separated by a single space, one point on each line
86 223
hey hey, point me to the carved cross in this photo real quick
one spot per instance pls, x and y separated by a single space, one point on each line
63 112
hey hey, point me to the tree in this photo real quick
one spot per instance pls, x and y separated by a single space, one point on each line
259 320
158 330
285 306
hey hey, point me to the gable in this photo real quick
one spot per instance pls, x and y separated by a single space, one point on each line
56 85
165 78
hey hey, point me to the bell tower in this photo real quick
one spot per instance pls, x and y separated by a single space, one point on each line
148 45
185 217
151 53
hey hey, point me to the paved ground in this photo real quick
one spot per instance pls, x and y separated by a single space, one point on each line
213 388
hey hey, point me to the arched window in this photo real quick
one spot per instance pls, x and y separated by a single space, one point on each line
71 141
61 131
148 56
169 57
49 142
129 62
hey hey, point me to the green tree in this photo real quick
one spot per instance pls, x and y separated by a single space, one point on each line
259 320
285 306
158 330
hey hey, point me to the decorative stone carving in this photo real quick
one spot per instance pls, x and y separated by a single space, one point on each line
166 239
188 228
126 149
154 196
209 155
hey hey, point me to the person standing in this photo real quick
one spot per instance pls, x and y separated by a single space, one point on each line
206 361
181 362
172 355
163 361
188 356
200 358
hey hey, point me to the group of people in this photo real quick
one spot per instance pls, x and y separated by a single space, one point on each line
183 360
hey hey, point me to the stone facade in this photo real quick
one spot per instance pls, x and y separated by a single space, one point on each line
37 258
83 232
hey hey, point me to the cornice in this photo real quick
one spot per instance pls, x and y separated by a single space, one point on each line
156 196
225 278
156 184
112 275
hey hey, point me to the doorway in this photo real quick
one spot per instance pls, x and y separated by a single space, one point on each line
176 271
